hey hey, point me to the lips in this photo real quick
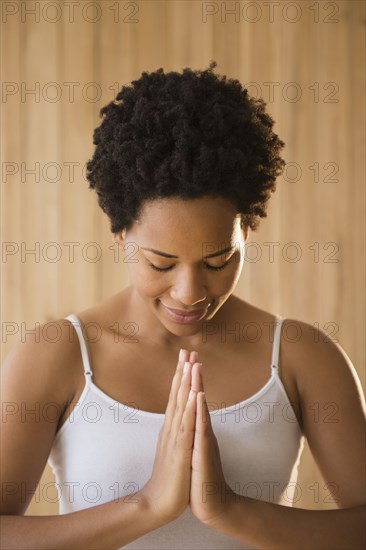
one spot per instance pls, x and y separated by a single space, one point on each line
185 312
180 316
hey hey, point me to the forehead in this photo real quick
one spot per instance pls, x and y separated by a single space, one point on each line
187 227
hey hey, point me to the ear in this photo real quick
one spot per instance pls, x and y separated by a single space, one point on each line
119 238
246 231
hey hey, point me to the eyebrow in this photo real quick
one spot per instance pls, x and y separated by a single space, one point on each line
229 249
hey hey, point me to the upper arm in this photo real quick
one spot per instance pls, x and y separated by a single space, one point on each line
34 392
333 413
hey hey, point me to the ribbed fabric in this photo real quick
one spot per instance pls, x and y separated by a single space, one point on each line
105 451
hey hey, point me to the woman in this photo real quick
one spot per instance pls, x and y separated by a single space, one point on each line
181 422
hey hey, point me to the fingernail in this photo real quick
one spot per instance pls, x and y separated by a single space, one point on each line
186 367
190 395
181 354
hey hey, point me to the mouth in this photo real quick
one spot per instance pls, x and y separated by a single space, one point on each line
183 316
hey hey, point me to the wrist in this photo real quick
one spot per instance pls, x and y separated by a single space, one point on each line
223 521
243 516
148 511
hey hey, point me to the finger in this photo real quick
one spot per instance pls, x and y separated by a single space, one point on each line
201 428
182 398
196 379
186 432
172 401
193 357
203 425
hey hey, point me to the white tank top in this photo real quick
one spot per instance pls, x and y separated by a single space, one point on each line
105 451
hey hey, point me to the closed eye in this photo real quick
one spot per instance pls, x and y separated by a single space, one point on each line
210 267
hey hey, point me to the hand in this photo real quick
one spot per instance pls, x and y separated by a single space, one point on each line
167 491
210 495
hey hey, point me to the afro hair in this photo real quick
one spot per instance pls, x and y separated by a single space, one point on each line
185 135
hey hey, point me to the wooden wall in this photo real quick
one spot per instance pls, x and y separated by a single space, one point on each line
306 59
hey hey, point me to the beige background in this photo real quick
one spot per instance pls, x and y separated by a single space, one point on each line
307 64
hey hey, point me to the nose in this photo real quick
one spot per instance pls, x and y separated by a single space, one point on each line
189 288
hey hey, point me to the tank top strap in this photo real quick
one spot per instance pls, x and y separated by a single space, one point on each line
84 351
276 344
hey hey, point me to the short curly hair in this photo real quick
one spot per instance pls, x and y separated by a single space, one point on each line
185 135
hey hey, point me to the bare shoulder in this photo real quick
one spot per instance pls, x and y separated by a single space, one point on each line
249 313
46 356
316 357
36 387
332 408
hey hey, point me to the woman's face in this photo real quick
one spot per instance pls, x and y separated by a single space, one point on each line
184 236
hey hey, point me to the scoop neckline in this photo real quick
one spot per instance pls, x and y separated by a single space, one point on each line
235 406
89 381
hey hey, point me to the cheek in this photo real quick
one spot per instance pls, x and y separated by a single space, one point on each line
228 282
146 281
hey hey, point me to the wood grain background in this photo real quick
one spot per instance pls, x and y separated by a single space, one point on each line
61 65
